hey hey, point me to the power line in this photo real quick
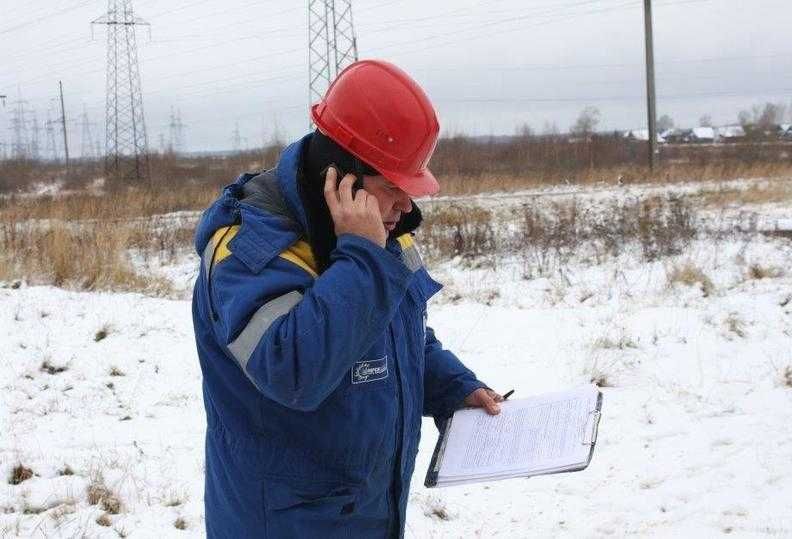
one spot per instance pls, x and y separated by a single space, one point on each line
9 29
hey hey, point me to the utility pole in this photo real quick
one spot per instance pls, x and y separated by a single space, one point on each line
650 84
63 123
332 44
126 140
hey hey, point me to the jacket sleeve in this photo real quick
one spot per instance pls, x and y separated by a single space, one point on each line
446 380
294 337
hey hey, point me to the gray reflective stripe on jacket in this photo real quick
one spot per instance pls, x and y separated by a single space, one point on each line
412 258
245 344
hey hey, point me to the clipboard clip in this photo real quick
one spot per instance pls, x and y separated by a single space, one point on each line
590 428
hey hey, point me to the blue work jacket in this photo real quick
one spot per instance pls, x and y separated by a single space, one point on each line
314 384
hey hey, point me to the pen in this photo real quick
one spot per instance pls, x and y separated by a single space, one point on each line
507 394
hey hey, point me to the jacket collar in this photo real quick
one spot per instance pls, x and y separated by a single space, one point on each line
286 172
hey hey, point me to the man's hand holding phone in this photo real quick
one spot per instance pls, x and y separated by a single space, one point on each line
353 213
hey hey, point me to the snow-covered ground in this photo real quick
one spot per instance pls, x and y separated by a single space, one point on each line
695 440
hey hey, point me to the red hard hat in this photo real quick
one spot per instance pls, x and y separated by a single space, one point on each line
376 112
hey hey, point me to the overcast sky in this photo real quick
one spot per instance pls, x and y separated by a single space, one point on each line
488 65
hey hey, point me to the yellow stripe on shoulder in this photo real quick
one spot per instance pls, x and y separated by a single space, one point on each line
300 254
220 240
406 241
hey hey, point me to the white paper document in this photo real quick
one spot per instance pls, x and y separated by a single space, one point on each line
538 435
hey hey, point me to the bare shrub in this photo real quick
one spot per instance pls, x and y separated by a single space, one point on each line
665 226
691 275
546 239
455 231
19 474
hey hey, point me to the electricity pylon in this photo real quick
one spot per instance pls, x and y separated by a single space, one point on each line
176 128
332 44
126 142
86 138
19 149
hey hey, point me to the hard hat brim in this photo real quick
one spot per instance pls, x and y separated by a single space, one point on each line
416 185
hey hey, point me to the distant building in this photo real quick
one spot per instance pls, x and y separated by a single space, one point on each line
641 135
701 135
677 136
730 133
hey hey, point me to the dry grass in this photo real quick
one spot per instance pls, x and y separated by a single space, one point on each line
622 342
456 231
734 324
180 524
786 376
90 255
774 191
98 493
758 271
545 237
49 368
85 241
115 371
691 275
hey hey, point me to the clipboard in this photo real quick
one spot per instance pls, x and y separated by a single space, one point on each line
588 436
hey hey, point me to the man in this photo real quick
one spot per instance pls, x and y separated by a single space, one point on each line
310 323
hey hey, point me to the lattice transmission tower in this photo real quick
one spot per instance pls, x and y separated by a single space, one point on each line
126 144
332 44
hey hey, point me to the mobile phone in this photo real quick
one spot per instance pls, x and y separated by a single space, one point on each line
340 176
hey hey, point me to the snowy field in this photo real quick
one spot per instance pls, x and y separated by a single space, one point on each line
104 389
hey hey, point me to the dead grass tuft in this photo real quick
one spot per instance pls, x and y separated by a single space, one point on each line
98 493
691 275
734 324
115 371
786 376
49 368
180 524
623 342
66 470
19 474
758 271
102 333
104 520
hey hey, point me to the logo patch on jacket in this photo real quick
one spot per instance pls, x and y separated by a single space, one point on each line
370 370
